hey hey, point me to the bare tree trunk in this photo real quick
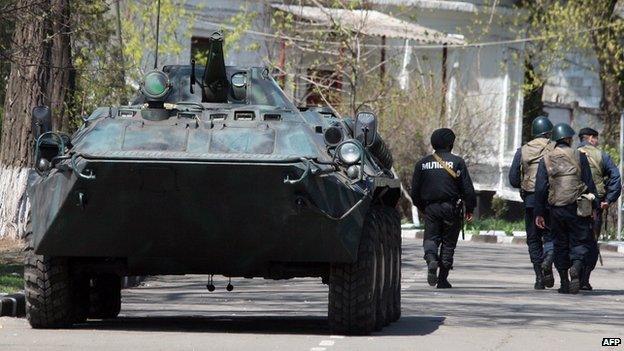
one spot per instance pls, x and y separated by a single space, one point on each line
61 69
533 105
40 61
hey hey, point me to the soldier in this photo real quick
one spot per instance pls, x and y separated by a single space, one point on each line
607 179
564 181
522 175
440 184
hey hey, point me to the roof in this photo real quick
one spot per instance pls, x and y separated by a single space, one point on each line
504 7
370 22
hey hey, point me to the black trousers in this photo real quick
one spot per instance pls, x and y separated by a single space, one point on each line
573 236
539 241
442 226
593 249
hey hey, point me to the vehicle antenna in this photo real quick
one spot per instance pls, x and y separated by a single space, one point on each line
157 31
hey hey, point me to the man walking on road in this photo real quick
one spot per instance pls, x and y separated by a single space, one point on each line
441 186
608 186
564 182
522 175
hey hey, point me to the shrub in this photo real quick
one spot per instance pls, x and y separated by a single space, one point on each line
499 207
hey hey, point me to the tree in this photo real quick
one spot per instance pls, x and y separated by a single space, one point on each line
69 55
6 33
585 27
114 49
40 72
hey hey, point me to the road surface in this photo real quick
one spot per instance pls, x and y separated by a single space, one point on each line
492 307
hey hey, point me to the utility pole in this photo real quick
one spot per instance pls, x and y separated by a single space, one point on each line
619 202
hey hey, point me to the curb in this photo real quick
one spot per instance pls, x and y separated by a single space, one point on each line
131 281
490 239
13 305
496 238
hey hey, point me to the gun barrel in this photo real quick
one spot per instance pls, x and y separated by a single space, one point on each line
215 79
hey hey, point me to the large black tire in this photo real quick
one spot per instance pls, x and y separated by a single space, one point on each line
383 271
352 305
50 289
105 296
392 270
394 228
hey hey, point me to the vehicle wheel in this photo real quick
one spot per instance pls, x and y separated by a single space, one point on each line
394 228
391 269
383 245
81 298
353 286
49 289
105 296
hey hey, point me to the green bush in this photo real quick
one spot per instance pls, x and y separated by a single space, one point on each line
495 224
11 278
499 207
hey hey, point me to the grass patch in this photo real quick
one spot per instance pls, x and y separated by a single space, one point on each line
11 266
495 224
11 278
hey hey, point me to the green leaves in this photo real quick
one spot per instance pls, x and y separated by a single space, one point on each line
107 74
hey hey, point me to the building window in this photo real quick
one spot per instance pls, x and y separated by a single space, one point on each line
512 121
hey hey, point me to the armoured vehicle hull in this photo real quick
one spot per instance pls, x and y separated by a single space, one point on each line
239 210
225 177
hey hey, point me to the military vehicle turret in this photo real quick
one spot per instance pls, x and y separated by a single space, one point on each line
212 170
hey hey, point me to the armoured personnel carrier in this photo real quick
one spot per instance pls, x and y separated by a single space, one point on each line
212 170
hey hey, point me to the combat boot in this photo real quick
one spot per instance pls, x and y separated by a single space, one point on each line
549 277
443 282
565 282
539 277
576 272
432 270
585 281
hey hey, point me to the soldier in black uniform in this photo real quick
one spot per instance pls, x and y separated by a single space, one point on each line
440 183
607 178
564 183
522 175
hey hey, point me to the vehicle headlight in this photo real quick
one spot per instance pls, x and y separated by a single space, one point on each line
155 85
349 153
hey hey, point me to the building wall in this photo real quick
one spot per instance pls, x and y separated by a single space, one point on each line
573 92
211 16
486 81
576 80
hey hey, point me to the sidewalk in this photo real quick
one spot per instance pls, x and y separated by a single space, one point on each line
499 237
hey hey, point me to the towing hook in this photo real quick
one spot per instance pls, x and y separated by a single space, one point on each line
287 180
88 175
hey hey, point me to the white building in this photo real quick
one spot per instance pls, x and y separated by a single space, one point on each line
486 79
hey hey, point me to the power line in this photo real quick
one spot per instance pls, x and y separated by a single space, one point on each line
418 46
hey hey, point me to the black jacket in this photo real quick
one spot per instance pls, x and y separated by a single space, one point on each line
432 183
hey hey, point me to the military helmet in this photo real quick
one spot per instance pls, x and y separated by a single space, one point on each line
562 131
540 126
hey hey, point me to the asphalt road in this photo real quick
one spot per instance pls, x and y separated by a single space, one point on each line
492 307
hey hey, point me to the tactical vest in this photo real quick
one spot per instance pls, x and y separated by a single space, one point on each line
532 153
594 156
564 176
